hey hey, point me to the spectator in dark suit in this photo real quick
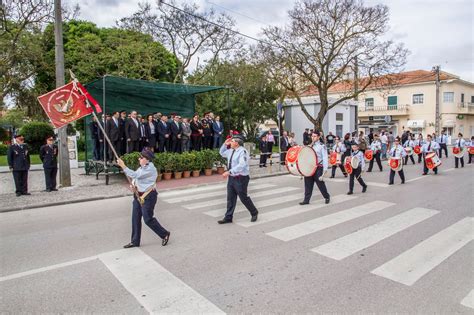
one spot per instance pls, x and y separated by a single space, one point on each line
306 137
284 146
151 130
112 128
143 135
263 146
186 135
176 133
218 129
196 133
132 132
207 131
97 140
49 156
163 134
123 136
19 163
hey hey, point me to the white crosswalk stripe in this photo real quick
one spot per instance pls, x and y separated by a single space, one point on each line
468 301
294 210
179 192
312 226
259 204
346 180
352 243
223 200
414 263
189 196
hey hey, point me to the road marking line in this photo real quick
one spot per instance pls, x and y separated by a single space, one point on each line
469 300
189 197
223 200
179 192
352 243
414 263
259 204
157 289
425 176
48 268
346 180
305 228
294 210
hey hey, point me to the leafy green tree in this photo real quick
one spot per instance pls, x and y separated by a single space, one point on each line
252 94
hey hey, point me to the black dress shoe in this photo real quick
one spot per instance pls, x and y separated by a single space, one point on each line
18 194
54 189
326 201
166 239
47 190
350 193
304 203
130 245
390 183
364 189
331 177
26 194
224 221
403 182
254 218
424 174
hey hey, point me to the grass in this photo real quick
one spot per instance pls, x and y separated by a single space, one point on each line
35 159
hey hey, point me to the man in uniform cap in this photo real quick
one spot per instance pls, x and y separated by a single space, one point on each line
19 163
238 173
144 199
49 156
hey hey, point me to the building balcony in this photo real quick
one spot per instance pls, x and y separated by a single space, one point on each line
465 108
386 110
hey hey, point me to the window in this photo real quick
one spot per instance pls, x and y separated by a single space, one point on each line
472 99
392 102
417 98
339 117
369 103
448 97
339 131
462 98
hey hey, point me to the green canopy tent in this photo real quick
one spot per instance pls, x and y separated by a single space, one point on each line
146 97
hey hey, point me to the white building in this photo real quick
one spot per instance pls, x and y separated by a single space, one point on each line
339 119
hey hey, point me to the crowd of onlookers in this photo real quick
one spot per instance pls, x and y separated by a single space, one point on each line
130 132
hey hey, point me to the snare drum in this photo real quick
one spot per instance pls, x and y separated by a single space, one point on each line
432 160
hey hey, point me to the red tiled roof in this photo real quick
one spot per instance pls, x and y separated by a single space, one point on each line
403 78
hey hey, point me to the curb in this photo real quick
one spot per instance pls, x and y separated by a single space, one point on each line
60 203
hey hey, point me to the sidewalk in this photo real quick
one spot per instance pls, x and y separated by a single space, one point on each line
87 188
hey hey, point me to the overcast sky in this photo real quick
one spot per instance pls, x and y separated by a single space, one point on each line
437 32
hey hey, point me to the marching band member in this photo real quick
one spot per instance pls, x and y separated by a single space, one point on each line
338 147
145 197
428 147
376 147
410 143
357 172
398 151
471 149
461 144
322 167
238 173
420 142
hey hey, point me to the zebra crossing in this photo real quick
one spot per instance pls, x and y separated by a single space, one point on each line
276 203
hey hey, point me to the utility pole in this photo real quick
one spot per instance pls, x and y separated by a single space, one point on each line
64 169
437 117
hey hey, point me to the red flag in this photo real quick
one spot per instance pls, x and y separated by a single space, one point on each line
65 105
90 98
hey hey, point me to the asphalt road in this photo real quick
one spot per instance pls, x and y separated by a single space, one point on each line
402 248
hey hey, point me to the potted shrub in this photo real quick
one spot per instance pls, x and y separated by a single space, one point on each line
168 165
221 163
178 165
208 159
197 163
131 160
158 162
187 159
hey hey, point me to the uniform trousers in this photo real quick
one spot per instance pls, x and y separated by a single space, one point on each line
146 211
376 157
263 159
237 186
456 161
471 157
443 147
392 176
356 173
21 181
334 167
50 177
420 158
411 158
309 185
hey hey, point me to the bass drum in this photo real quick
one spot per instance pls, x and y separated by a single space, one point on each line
301 161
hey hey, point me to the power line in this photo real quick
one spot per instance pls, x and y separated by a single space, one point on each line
238 13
